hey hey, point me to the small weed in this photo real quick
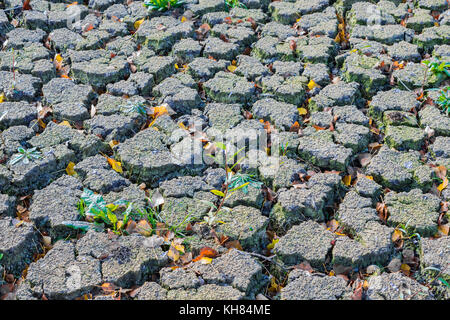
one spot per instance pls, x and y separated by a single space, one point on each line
137 107
444 99
230 4
284 149
93 207
162 5
233 182
243 180
26 155
437 67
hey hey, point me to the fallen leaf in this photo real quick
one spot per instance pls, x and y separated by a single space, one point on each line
113 143
208 252
364 159
234 244
304 266
138 23
69 169
58 61
347 180
205 260
88 28
396 235
231 68
173 254
405 269
2 97
26 5
115 165
318 128
444 229
295 127
302 111
312 84
65 123
271 245
144 228
441 172
374 146
47 241
108 287
333 225
443 185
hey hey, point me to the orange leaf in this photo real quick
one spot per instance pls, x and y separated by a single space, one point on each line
108 287
208 252
318 128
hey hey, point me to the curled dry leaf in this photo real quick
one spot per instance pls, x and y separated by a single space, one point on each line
156 200
144 228
154 241
364 159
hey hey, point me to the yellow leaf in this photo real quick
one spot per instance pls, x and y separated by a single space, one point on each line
233 63
179 247
396 235
436 24
42 123
231 68
205 260
443 185
183 19
302 111
444 229
347 180
331 274
65 123
312 84
113 143
272 244
58 58
369 177
2 97
173 254
298 19
69 169
159 111
274 286
176 66
182 126
138 23
115 165
405 269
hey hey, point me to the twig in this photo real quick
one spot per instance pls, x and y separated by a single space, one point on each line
270 259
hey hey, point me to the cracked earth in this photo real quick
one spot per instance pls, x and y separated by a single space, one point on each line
108 102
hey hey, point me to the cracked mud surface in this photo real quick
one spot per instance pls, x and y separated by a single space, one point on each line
348 198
